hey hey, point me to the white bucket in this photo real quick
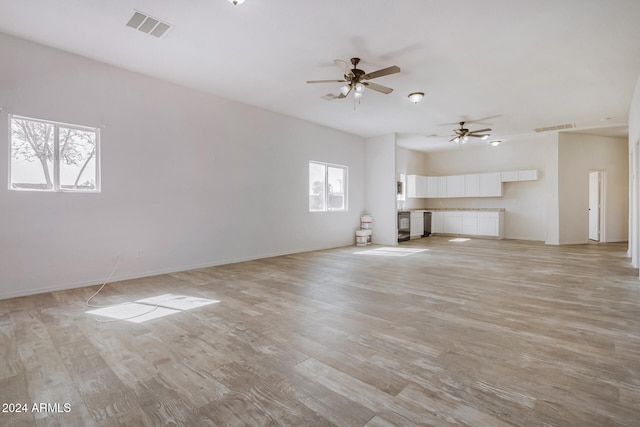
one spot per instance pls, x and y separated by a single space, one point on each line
361 238
366 222
369 233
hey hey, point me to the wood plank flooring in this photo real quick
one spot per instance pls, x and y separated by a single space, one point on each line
474 333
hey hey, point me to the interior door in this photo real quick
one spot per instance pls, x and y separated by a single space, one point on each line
594 205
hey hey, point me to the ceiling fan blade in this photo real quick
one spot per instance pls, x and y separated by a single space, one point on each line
344 95
344 67
326 81
378 88
480 130
486 135
384 72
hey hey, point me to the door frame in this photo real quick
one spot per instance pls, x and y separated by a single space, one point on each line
601 203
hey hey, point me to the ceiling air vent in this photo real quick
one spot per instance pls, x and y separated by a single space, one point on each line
148 25
556 127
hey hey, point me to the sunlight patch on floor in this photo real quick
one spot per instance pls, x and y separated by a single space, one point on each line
459 240
152 308
391 251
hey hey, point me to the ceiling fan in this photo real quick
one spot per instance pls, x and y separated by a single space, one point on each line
462 135
357 80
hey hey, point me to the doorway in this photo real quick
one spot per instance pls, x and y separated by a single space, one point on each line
595 205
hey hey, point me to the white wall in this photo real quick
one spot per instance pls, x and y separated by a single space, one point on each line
524 202
188 179
381 188
552 201
578 155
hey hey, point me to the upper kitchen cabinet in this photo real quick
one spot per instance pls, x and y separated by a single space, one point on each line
525 175
433 190
470 185
490 184
417 186
455 186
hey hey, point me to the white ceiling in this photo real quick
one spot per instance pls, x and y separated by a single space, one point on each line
523 64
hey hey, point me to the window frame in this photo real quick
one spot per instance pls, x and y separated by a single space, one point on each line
345 186
55 177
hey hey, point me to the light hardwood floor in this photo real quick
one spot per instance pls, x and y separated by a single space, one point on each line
475 333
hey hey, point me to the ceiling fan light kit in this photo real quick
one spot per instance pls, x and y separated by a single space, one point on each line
358 80
236 2
462 135
416 97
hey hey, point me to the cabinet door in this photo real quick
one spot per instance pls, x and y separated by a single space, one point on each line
470 223
437 222
528 175
453 222
412 186
455 186
471 185
432 187
421 184
509 176
491 184
489 224
417 224
442 186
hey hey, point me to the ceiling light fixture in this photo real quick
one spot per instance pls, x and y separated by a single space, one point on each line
416 97
236 2
495 142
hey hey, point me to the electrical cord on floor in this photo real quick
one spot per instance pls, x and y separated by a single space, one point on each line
115 267
88 301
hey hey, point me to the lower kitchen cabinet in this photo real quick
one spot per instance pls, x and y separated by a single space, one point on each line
468 223
417 225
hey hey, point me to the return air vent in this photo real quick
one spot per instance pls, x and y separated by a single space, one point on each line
556 127
148 25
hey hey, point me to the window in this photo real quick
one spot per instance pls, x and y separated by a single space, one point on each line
50 156
327 187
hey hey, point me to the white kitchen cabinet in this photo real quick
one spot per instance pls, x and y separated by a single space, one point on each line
455 186
490 184
417 225
528 175
470 223
442 186
453 222
509 176
432 187
490 224
437 222
416 186
472 185
525 175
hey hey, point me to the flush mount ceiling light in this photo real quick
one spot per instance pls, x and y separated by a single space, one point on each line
416 97
495 142
236 2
